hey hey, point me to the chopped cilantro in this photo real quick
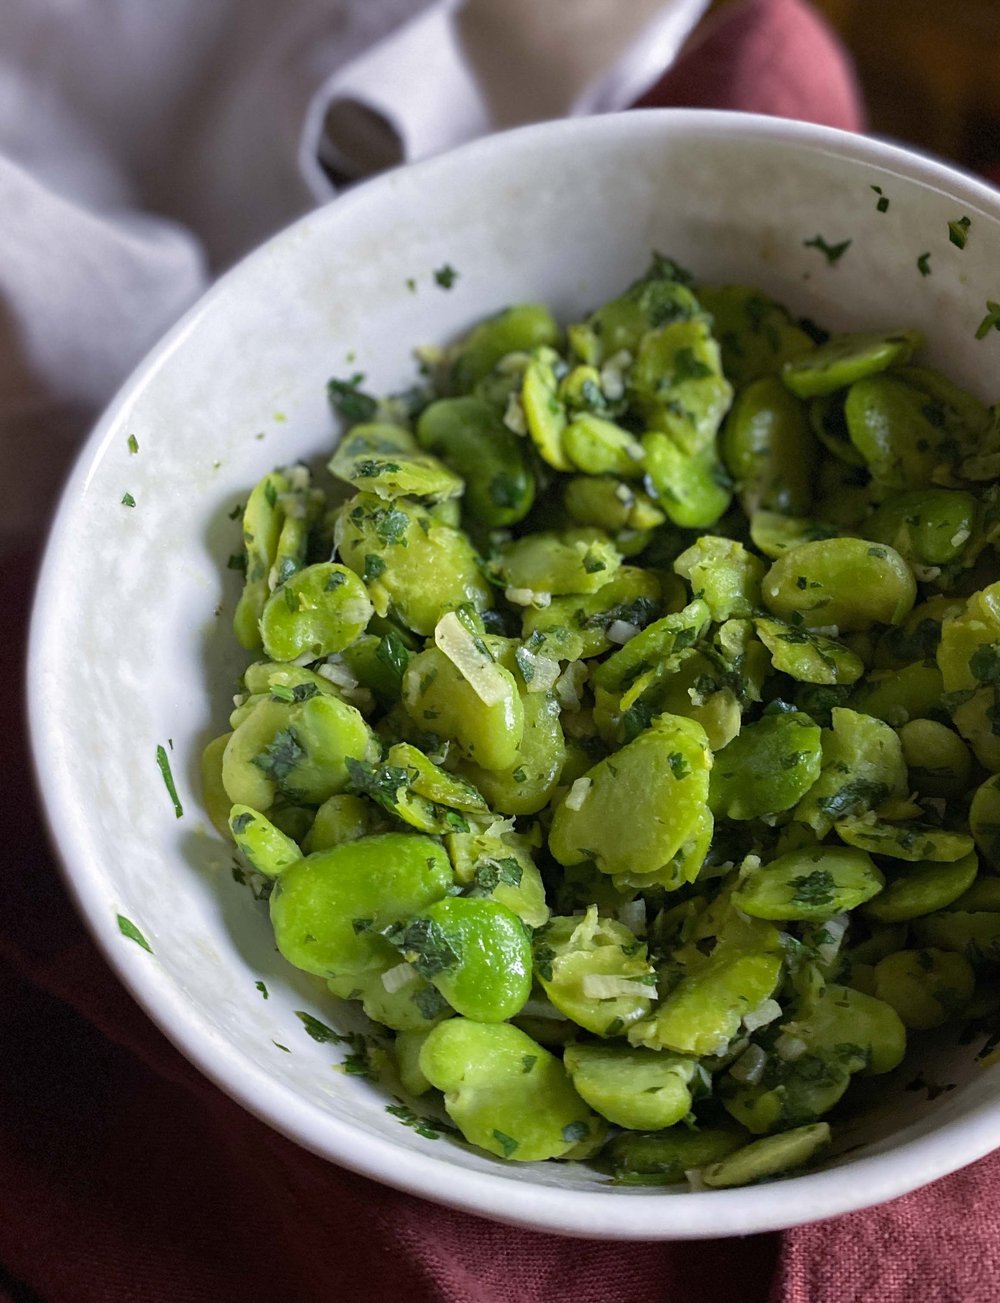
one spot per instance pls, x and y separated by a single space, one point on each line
816 888
985 663
242 822
133 444
852 798
238 561
430 1002
262 989
281 755
392 653
445 276
128 929
958 232
831 252
528 1061
493 873
390 524
429 1128
679 767
924 264
424 943
319 1030
168 780
544 956
348 401
525 663
991 321
381 782
128 500
506 1143
374 566
689 367
883 203
367 468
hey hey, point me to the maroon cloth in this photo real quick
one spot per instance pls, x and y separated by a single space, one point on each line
126 1177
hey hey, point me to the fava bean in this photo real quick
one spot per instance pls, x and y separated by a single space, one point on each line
504 1091
492 460
771 1156
809 884
329 908
518 329
475 951
927 886
841 582
768 448
845 359
925 987
640 1089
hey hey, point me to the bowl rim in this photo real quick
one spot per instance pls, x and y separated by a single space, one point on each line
645 1214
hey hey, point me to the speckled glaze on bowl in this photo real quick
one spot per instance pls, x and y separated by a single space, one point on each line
130 647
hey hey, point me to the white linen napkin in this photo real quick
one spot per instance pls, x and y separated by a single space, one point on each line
143 147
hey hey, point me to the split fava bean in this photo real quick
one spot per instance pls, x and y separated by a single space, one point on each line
595 971
768 767
317 611
504 1091
635 1088
621 726
810 884
844 582
771 1156
664 773
845 359
328 909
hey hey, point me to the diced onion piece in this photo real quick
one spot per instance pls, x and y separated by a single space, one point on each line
789 1047
621 631
546 673
577 794
834 928
474 663
749 1067
633 915
513 416
527 597
394 979
570 683
603 986
338 674
765 1013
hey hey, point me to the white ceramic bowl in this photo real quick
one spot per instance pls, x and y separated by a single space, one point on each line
130 652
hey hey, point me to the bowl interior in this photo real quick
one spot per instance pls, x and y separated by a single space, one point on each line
132 652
